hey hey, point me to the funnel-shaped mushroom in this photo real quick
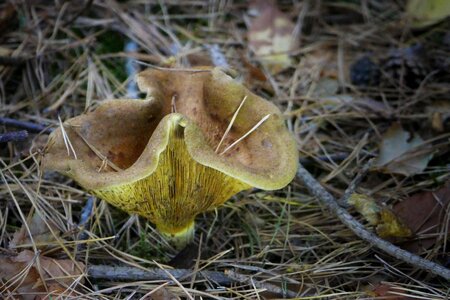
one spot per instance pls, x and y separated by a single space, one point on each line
158 158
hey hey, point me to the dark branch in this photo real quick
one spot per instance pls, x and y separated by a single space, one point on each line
328 200
13 136
30 126
130 273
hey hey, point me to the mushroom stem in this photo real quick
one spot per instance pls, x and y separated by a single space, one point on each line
181 238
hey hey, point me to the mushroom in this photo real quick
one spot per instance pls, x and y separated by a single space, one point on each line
199 138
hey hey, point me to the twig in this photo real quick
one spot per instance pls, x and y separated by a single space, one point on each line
328 200
261 285
30 126
13 136
13 60
86 213
355 182
340 156
130 273
86 7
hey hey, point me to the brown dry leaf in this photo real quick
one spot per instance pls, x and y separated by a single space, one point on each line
270 36
388 291
401 154
39 230
20 275
425 214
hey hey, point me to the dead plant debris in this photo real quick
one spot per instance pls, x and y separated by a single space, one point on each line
354 80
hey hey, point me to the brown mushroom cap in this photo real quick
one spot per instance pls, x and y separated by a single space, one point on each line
125 144
266 159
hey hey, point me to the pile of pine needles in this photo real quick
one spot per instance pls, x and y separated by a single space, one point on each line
59 58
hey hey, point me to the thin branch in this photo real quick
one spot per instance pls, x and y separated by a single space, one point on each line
261 285
130 273
30 126
13 60
335 157
355 182
328 200
85 8
13 136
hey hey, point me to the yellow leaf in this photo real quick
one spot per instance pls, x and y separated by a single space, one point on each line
391 226
366 206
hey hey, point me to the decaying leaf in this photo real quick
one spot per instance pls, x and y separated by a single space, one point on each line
387 224
39 230
270 36
401 154
423 13
439 114
366 206
25 274
391 226
427 215
386 290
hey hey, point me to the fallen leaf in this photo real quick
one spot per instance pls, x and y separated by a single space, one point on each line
39 230
366 206
425 214
389 291
423 13
390 226
270 36
401 154
439 113
23 274
386 222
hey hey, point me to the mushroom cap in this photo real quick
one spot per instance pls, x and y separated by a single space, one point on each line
141 156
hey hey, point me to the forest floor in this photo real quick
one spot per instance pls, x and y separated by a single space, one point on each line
354 80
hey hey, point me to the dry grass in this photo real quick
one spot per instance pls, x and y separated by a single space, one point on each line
285 238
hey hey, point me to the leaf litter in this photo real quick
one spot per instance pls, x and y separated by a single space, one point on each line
284 238
402 153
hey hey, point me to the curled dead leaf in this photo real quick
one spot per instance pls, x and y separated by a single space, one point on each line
402 154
